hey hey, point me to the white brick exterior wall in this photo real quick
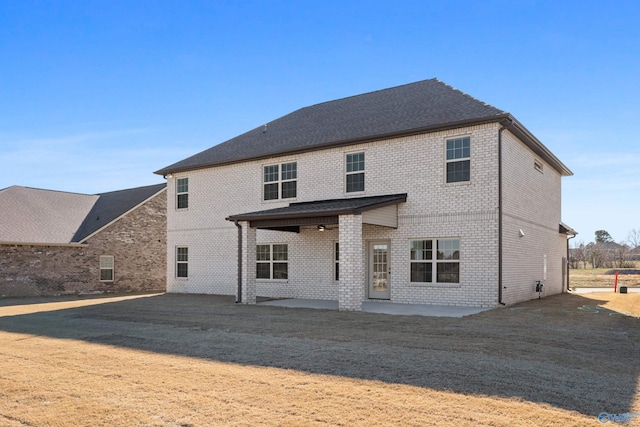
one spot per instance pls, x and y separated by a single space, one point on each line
531 203
414 165
352 265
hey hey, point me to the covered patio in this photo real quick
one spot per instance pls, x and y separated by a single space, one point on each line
348 214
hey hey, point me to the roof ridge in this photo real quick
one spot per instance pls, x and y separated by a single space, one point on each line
50 190
486 104
359 95
164 184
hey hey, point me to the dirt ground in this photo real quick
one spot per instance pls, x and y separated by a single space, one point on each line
194 360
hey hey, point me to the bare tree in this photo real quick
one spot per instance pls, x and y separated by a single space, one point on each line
622 255
634 238
600 255
579 254
584 254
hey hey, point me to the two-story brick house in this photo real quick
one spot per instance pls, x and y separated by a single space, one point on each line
413 194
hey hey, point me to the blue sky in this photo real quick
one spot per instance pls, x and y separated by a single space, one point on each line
96 95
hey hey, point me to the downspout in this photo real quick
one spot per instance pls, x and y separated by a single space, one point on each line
567 266
510 122
239 296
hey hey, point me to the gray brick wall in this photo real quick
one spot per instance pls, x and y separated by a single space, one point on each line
137 241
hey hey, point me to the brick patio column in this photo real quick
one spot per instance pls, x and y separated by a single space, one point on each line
248 263
352 273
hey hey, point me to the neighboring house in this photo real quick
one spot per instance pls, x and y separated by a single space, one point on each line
413 194
53 242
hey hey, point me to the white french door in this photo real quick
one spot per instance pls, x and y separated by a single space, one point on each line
379 270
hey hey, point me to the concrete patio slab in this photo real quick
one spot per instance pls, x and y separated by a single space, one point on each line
381 307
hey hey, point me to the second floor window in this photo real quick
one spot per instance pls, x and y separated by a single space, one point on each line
280 181
182 192
355 172
459 159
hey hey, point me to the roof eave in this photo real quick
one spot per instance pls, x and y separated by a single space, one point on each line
333 144
43 244
565 229
401 198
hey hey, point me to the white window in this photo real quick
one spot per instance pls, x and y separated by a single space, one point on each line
458 159
435 261
182 262
182 193
106 268
280 181
355 170
272 262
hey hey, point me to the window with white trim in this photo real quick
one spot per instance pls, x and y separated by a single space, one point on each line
435 261
182 262
280 181
458 159
272 262
355 170
182 193
107 268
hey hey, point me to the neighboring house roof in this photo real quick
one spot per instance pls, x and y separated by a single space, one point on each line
424 106
112 205
322 208
37 216
34 215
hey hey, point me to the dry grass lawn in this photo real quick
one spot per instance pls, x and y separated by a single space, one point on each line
589 279
181 360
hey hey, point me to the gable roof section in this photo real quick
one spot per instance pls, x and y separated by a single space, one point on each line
110 206
31 215
413 108
47 217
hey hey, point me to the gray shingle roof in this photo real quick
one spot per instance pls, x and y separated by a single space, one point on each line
316 208
424 105
112 205
36 216
31 215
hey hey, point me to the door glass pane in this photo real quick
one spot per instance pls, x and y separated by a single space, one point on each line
380 267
